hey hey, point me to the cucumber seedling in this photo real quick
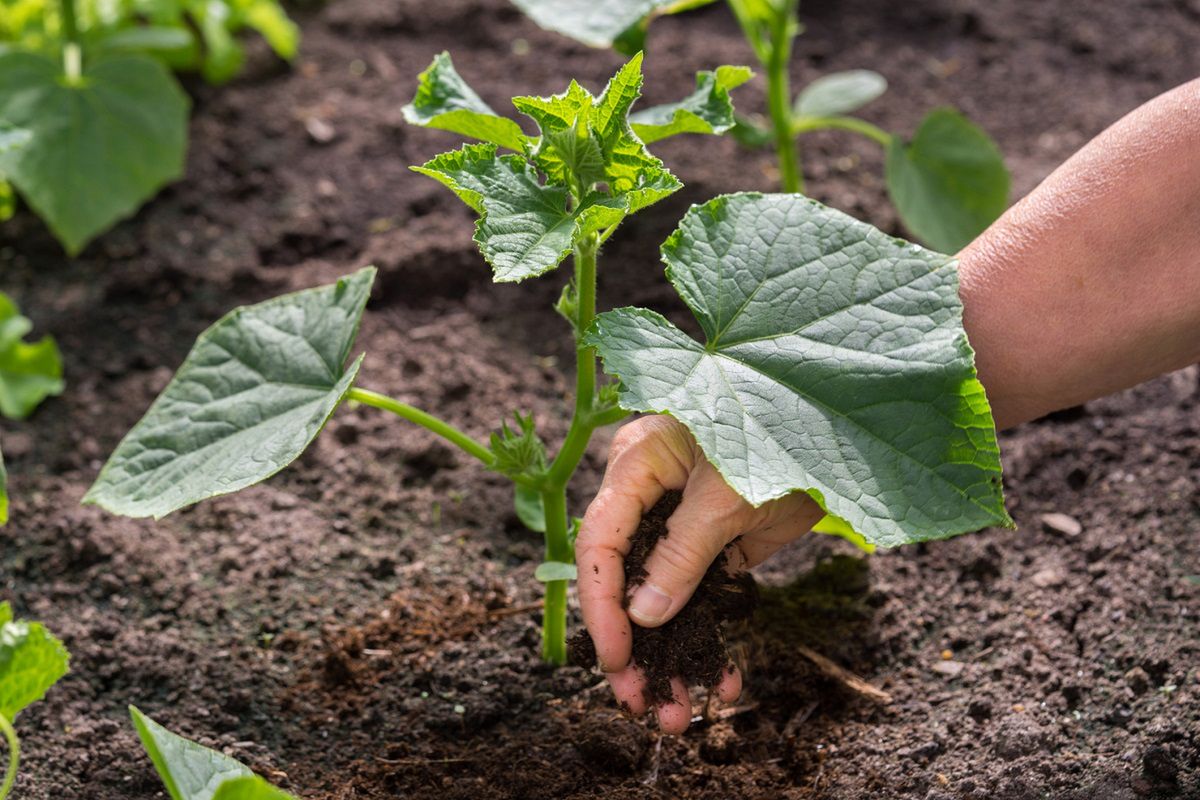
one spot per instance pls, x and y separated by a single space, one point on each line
31 661
834 359
948 182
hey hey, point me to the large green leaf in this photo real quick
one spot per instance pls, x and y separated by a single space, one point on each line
706 110
31 661
835 363
839 93
445 101
29 372
189 771
524 228
597 23
250 788
255 390
949 183
100 147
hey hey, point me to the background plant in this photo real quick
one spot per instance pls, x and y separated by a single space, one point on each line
89 82
31 661
832 351
948 181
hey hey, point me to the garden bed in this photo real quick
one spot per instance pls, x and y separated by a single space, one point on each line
363 625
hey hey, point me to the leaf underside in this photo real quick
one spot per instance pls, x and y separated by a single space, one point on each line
256 389
189 771
949 183
835 363
597 23
29 371
31 661
97 150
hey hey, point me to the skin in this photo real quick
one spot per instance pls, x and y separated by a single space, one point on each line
1089 285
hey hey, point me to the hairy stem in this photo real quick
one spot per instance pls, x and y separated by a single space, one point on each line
779 102
14 756
425 420
558 548
854 124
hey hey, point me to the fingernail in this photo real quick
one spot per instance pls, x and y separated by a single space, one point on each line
649 605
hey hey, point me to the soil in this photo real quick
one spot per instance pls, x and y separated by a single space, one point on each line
692 645
364 625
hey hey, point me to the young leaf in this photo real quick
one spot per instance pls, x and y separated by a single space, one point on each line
835 363
555 571
597 23
529 506
445 101
706 110
949 183
839 93
250 788
29 372
524 227
256 389
3 492
189 771
518 450
100 147
31 661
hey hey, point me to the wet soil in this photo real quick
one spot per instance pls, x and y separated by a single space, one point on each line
365 624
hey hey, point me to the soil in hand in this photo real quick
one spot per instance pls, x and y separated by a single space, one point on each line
691 646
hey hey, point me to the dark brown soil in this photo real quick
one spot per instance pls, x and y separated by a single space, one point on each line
692 644
364 625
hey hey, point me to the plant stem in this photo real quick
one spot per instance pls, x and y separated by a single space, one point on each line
14 756
72 56
425 420
554 490
779 102
861 126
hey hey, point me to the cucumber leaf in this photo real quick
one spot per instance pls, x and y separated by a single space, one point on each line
600 23
445 101
100 147
949 183
839 93
528 504
549 571
706 110
189 771
29 371
256 389
31 661
835 363
250 788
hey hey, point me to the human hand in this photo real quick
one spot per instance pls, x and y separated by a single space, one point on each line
650 456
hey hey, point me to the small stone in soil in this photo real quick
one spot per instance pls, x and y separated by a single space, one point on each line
1062 523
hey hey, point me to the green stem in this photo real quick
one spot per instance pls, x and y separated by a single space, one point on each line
14 756
854 124
72 57
425 420
779 102
558 548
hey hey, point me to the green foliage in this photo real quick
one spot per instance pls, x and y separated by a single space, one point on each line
445 101
31 661
839 93
518 451
835 363
255 390
949 182
555 571
3 492
192 772
603 23
100 146
29 371
706 110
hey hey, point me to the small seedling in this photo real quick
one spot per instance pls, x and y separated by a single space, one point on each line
90 84
31 661
948 182
834 359
190 771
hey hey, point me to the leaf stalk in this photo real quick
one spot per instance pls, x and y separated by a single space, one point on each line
425 420
14 756
808 124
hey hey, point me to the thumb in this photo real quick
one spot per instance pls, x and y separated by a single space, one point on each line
708 518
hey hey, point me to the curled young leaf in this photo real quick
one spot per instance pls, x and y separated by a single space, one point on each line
445 101
835 363
706 110
949 182
256 389
839 93
99 147
29 371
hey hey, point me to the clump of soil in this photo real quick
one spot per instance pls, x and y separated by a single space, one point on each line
692 644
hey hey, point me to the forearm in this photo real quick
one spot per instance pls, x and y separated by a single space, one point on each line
1092 282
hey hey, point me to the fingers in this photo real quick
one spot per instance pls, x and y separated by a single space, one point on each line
628 686
730 687
709 517
676 716
648 457
786 520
